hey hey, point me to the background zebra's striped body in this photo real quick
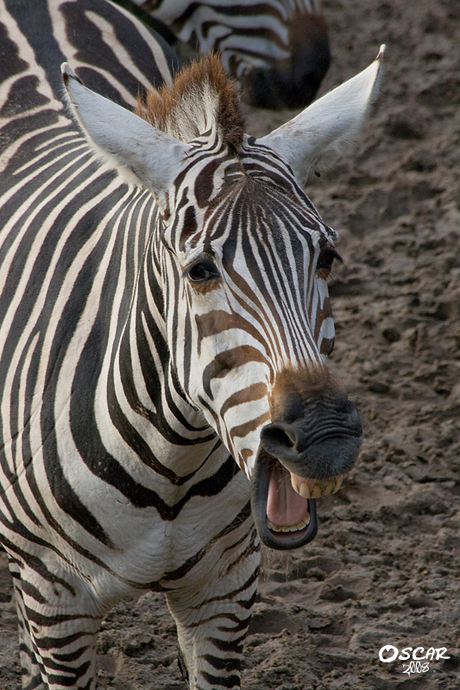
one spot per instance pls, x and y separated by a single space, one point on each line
277 49
161 314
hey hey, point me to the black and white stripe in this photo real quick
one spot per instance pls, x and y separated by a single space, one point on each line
277 49
147 318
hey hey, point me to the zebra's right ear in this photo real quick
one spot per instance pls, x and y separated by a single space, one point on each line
330 127
141 153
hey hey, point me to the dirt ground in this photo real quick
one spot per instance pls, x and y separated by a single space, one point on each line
384 568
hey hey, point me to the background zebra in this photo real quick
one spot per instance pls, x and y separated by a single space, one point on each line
143 353
277 49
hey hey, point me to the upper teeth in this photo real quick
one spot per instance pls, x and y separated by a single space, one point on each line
315 488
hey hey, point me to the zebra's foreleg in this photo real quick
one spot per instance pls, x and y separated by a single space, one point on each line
58 624
30 669
212 620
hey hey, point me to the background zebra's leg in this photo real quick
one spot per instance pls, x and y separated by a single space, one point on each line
58 625
212 619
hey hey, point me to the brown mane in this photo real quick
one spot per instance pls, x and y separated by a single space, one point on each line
201 96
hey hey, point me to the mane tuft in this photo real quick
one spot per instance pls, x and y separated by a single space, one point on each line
201 96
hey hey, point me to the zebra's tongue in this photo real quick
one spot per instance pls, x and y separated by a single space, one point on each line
285 507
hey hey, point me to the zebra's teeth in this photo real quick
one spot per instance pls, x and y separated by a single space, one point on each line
338 482
305 522
316 491
304 490
289 528
330 485
316 488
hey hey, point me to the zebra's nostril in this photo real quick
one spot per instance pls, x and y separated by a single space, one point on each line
279 436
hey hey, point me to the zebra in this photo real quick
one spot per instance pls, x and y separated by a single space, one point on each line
277 49
166 405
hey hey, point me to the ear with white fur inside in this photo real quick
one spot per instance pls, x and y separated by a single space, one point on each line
141 153
329 128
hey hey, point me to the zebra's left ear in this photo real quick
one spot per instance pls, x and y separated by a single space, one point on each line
142 154
330 127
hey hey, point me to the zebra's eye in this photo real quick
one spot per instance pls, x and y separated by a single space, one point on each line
202 270
326 258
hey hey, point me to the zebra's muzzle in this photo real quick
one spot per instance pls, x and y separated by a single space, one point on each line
324 442
299 461
316 430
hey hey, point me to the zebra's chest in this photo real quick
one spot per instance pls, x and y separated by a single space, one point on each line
148 552
185 550
126 528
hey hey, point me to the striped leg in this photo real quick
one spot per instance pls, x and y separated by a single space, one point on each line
57 631
212 621
30 670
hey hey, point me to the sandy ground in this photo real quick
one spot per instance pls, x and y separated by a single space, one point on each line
384 568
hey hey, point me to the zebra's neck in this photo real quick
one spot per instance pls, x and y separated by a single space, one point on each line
138 389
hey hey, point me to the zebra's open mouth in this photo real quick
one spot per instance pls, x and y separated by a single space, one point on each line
284 504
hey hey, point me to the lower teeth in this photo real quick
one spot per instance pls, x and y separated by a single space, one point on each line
289 528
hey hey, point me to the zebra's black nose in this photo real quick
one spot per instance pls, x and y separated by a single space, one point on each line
323 442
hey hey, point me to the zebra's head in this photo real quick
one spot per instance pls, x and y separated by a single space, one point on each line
292 56
243 258
278 50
